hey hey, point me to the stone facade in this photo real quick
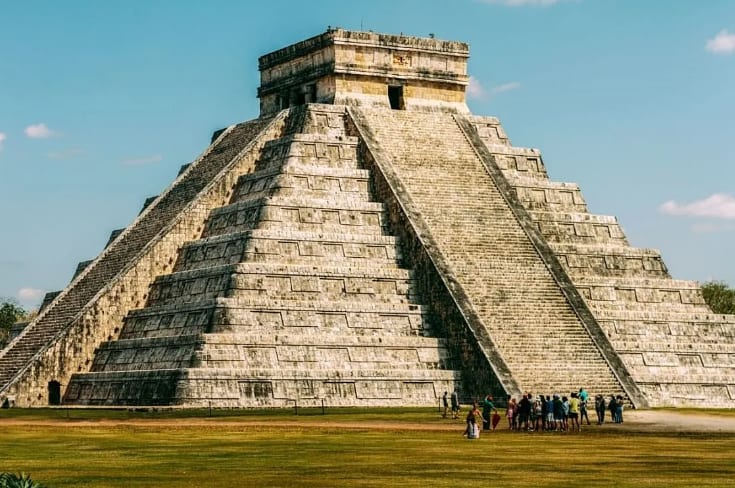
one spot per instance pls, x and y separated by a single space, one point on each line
361 68
292 293
367 241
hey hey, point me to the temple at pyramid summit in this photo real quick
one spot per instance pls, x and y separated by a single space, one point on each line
368 241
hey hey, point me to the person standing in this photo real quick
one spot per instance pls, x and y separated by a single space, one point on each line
455 405
558 413
544 412
510 412
550 424
600 409
613 407
445 404
574 413
472 431
524 411
487 409
583 397
538 414
619 409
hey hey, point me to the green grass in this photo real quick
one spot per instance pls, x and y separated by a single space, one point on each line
228 452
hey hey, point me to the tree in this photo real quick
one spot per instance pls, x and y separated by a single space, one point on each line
719 297
10 313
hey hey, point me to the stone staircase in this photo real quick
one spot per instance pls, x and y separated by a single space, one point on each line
23 359
488 254
292 292
678 352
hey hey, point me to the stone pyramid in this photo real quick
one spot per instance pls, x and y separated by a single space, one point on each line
368 242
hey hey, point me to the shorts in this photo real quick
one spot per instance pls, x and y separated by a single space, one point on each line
549 417
558 418
572 415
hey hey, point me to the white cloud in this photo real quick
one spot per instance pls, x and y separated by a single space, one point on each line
38 131
143 160
722 43
3 137
475 89
505 87
30 294
521 3
719 205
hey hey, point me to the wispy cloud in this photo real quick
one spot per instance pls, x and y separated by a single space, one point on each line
722 43
38 131
3 137
505 87
521 3
30 294
475 89
155 158
711 227
65 153
718 205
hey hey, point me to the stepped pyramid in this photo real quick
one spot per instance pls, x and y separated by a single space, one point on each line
367 241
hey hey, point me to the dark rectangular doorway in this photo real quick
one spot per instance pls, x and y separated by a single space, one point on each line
54 393
395 97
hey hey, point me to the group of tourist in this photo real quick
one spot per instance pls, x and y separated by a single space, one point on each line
550 413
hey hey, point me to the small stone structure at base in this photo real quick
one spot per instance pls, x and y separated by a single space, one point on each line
367 241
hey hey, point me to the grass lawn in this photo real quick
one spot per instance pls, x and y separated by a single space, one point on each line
101 448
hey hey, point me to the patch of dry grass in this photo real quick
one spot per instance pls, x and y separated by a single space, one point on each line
320 451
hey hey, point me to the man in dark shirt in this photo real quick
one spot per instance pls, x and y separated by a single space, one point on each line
524 411
558 413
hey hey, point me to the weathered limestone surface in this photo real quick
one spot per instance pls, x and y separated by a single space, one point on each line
292 292
63 338
538 334
677 351
355 68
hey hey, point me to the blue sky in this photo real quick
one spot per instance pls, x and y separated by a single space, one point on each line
101 102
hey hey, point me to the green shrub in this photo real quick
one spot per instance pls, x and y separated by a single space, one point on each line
10 480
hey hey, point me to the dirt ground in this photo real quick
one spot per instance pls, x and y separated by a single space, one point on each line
635 420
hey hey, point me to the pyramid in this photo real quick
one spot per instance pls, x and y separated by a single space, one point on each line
367 241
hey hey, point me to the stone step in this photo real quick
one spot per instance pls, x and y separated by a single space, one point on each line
287 247
352 217
675 344
169 320
253 313
638 282
573 218
565 232
337 152
605 250
286 339
249 314
542 195
689 318
267 350
603 306
490 131
264 387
